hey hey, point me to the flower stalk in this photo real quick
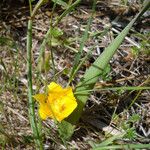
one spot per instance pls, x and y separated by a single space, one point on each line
32 116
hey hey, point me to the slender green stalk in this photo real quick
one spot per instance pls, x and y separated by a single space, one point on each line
30 7
50 43
125 146
66 12
38 5
32 117
133 88
133 101
30 91
108 141
76 65
80 64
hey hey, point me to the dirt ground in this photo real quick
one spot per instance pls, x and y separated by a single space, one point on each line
130 66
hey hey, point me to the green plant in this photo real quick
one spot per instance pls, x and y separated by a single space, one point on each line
94 72
128 127
128 132
86 84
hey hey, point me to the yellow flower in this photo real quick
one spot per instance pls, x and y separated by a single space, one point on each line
59 103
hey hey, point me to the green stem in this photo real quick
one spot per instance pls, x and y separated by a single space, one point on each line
123 146
32 116
38 5
50 43
77 64
133 88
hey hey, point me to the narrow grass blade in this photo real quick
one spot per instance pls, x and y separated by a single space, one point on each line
124 146
76 64
37 6
108 141
133 88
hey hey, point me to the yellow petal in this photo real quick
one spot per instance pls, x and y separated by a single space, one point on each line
53 87
67 108
40 97
44 111
44 108
63 105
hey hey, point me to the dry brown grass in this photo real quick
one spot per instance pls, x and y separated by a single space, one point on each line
126 70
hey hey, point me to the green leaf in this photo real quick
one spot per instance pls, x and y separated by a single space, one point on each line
131 133
55 42
56 32
65 130
105 73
